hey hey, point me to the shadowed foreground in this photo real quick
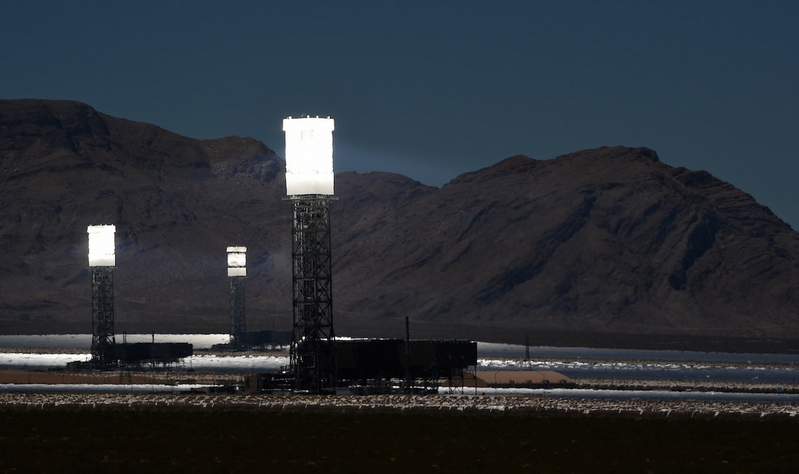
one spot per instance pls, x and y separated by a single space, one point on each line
235 441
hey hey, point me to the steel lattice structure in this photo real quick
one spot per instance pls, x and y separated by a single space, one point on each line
313 349
102 317
238 323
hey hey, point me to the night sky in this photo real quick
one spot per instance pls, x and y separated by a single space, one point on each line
435 89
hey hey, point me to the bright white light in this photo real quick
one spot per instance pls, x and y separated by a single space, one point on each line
236 261
101 245
236 272
309 155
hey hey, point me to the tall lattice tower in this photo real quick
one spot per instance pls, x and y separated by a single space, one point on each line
237 272
101 262
309 185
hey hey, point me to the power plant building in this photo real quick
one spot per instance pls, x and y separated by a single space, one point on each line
102 260
237 272
309 186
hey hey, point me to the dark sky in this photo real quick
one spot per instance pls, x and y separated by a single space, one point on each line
433 89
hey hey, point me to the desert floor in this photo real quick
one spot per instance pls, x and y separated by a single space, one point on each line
219 440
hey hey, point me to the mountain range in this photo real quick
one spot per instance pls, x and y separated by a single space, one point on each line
608 246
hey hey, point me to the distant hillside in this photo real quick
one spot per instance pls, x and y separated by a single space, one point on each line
600 243
176 202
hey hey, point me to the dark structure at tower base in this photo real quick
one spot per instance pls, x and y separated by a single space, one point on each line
365 362
386 366
138 353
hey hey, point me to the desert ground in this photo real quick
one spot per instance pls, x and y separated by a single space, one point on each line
206 436
466 428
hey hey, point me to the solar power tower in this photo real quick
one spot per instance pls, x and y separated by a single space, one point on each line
237 272
101 262
309 185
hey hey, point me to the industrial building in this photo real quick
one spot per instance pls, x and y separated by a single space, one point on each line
384 359
130 354
318 361
309 188
237 272
372 366
101 262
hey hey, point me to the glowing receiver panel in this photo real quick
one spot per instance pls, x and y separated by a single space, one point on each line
236 261
309 155
101 245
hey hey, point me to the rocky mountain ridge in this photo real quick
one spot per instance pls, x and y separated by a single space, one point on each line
608 241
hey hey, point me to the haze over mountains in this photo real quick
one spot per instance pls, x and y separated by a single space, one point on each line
608 241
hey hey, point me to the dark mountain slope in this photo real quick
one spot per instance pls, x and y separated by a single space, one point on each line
607 241
176 202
